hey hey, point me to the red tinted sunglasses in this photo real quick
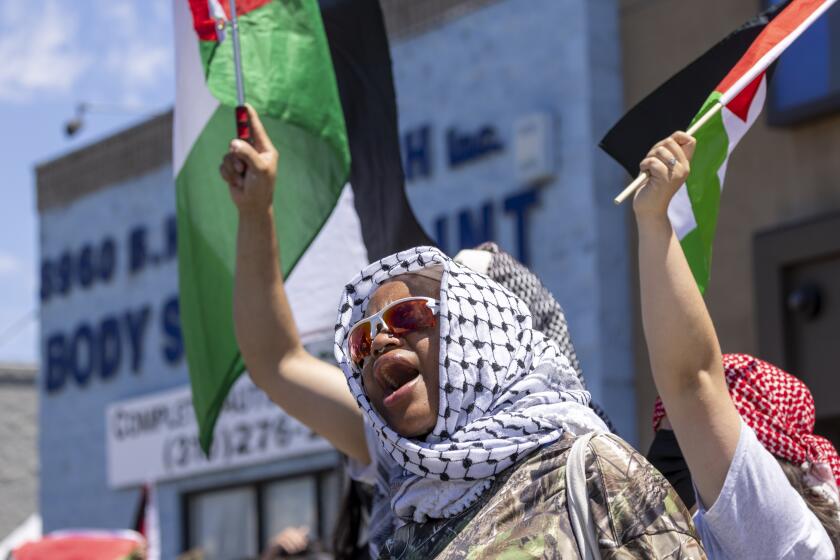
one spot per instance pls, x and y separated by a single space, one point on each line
399 317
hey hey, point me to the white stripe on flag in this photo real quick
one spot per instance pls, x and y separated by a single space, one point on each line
736 128
194 104
335 256
681 214
680 211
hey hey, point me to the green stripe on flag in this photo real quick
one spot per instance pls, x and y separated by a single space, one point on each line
287 69
290 80
704 190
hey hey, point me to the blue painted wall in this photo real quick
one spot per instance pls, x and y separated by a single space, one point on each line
484 71
91 357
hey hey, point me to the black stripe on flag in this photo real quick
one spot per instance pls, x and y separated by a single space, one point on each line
675 103
362 62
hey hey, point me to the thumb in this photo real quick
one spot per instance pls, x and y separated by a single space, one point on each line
262 142
246 153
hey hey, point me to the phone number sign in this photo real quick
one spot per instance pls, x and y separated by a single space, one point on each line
155 438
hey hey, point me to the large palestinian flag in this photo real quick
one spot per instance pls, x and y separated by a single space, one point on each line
736 72
321 81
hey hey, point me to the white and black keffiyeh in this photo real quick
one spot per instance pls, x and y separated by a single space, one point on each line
505 389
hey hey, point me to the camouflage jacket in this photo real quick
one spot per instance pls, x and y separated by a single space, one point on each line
636 512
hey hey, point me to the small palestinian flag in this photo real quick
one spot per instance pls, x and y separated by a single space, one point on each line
322 83
735 71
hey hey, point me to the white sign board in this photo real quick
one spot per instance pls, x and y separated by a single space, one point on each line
155 438
533 140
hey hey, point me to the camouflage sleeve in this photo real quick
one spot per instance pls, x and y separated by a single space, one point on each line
637 512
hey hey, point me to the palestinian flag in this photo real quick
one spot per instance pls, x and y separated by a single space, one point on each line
321 81
736 72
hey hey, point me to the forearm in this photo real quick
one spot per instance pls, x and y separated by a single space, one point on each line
686 359
680 336
308 389
312 391
265 327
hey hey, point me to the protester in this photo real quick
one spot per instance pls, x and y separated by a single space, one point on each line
747 508
294 542
547 317
476 409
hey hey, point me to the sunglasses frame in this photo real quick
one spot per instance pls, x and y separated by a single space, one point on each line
376 319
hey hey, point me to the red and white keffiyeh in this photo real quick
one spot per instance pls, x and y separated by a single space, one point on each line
780 410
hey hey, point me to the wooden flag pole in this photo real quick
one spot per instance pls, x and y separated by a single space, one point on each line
639 181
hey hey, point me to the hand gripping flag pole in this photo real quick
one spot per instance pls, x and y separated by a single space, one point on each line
781 25
641 180
243 121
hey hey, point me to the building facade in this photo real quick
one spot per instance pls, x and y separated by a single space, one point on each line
115 411
500 111
19 442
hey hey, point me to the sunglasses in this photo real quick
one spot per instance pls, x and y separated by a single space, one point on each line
399 317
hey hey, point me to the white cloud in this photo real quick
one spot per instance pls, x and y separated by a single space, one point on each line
120 13
38 51
138 64
9 265
142 58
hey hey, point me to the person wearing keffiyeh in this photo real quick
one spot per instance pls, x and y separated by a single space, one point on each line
742 439
779 408
469 410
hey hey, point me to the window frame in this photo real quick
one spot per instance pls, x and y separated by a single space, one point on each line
259 486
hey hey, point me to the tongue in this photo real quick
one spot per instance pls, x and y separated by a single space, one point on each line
400 374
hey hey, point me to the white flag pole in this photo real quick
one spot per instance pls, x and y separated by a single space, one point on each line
760 66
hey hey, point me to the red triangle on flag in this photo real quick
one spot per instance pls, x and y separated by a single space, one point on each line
741 103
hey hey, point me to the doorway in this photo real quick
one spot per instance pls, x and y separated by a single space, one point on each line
797 279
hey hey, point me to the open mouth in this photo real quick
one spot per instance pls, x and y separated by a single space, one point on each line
395 375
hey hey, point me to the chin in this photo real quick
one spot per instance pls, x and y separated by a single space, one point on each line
410 425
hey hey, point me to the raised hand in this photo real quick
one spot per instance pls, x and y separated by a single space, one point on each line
250 171
668 165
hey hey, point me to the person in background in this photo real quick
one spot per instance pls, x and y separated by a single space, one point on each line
730 415
293 542
192 554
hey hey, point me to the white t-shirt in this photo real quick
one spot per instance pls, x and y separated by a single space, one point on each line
758 514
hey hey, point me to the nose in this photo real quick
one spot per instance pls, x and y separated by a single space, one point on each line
383 339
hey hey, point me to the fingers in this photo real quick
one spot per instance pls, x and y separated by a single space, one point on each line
656 168
687 142
675 152
293 540
246 154
261 140
665 155
232 169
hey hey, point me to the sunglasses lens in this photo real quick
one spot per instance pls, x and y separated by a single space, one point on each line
409 316
359 342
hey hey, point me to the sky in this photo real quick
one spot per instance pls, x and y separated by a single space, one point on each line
115 55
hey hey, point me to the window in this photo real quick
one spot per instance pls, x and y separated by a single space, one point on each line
211 527
236 523
806 82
